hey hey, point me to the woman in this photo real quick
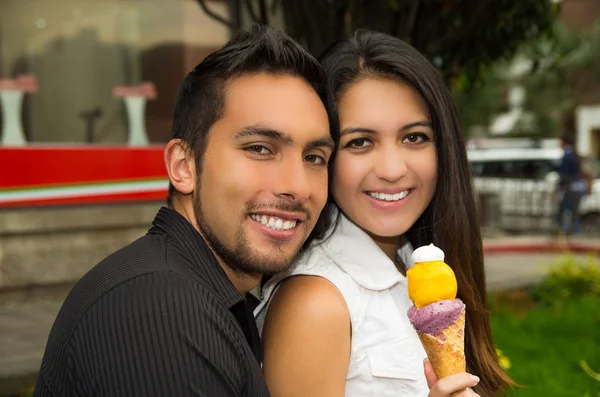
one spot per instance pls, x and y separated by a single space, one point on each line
336 324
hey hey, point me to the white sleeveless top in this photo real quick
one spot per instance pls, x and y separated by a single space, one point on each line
386 356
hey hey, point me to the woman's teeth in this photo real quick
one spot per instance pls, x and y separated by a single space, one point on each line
389 197
273 222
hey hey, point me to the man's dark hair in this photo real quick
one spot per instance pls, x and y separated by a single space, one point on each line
200 100
569 129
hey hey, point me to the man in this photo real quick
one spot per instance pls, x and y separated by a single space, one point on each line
166 315
572 185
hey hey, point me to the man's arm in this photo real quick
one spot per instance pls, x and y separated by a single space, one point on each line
155 336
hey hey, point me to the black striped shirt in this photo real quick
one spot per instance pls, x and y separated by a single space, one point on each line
157 318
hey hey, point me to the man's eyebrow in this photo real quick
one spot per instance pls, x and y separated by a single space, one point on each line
265 132
325 142
259 131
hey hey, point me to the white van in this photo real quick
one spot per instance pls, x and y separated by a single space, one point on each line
517 186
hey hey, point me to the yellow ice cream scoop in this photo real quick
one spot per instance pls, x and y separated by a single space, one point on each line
430 279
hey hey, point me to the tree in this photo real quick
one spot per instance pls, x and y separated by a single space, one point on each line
561 74
461 37
567 70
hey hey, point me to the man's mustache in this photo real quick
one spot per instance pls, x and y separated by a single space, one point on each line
281 206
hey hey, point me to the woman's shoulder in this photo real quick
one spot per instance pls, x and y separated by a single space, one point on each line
307 331
313 278
314 265
313 297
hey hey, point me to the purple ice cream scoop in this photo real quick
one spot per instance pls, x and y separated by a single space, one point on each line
434 317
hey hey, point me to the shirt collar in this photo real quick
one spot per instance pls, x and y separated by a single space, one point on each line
201 261
357 254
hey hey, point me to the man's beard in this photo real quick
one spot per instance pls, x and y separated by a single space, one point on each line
243 258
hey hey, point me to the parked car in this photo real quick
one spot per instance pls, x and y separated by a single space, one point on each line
517 188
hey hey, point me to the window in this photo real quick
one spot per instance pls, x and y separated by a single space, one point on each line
78 50
518 169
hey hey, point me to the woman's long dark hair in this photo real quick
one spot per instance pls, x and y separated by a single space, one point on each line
450 221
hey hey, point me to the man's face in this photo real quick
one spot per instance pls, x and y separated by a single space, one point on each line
263 179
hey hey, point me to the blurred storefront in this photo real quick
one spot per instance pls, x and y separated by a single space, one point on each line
87 90
81 57
577 15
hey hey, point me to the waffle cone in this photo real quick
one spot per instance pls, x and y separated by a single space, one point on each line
446 350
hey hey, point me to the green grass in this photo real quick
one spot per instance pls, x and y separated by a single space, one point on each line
546 345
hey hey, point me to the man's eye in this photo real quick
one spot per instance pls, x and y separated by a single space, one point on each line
258 149
315 159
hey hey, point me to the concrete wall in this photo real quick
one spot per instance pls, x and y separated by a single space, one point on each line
48 247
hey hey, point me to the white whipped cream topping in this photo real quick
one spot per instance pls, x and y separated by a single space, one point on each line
428 253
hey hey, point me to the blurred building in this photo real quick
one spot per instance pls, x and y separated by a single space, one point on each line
578 14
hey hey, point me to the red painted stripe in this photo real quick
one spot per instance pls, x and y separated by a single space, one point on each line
64 165
97 199
541 247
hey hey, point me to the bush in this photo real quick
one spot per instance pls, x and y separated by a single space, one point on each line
550 332
568 277
554 352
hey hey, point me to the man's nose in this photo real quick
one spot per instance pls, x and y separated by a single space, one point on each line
292 181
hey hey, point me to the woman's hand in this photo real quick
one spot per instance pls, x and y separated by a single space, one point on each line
457 385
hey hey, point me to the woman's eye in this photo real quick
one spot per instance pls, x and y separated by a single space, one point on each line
359 143
416 137
315 159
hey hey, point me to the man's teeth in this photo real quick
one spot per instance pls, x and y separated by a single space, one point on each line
389 197
273 222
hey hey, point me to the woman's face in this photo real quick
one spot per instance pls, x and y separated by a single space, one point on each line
386 167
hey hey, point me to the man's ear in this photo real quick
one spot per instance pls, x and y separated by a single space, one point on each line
181 166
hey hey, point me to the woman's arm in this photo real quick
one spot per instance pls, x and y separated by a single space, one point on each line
306 337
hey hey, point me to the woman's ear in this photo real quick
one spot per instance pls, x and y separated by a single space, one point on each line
181 166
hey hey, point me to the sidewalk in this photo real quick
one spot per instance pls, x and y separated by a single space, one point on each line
541 244
520 261
510 263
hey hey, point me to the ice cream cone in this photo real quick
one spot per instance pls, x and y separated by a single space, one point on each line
446 350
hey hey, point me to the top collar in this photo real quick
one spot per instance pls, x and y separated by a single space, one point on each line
361 258
202 262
